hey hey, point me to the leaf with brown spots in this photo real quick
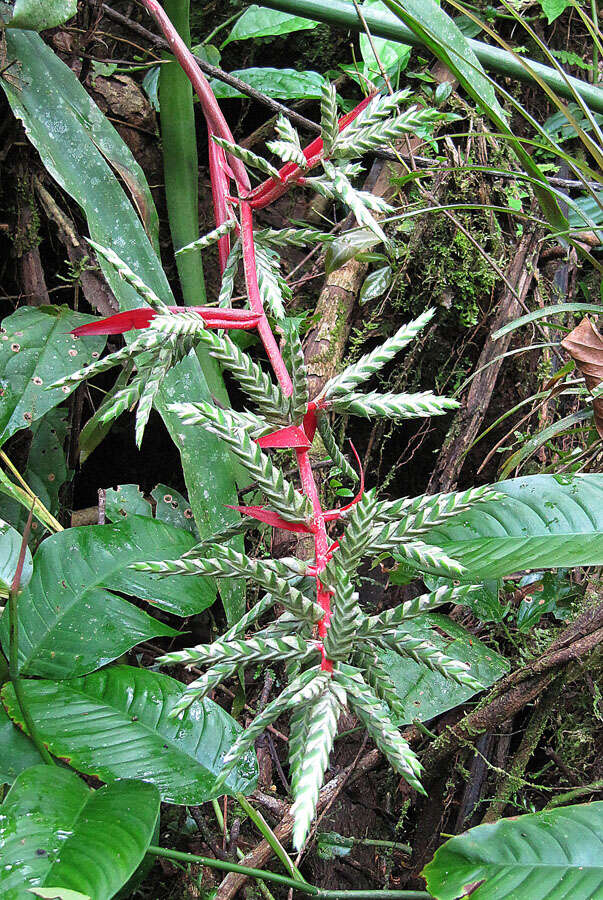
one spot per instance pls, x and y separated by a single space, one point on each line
585 346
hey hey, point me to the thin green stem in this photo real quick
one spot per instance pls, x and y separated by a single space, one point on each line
267 832
595 17
219 28
301 886
13 646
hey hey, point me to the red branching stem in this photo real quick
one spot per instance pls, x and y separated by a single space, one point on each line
251 279
211 108
219 192
271 189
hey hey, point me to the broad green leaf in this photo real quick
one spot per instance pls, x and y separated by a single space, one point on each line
45 472
375 284
282 84
126 500
425 694
348 246
81 149
173 508
41 14
392 55
257 22
10 548
115 724
71 622
56 832
545 521
58 893
36 349
17 752
555 855
553 8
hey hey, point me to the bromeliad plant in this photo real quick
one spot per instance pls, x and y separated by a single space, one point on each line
328 642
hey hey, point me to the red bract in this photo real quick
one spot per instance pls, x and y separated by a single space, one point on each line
290 438
271 518
141 318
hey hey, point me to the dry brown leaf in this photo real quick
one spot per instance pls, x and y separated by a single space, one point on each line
585 346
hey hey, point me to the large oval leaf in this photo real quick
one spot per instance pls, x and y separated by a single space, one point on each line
82 151
282 84
42 14
544 521
36 350
10 548
17 752
257 22
56 832
425 694
556 855
115 724
70 622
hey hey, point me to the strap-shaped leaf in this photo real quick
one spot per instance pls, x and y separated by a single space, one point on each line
212 237
273 289
374 361
329 125
55 831
289 146
248 157
293 237
200 413
419 605
299 376
435 508
345 614
241 652
124 271
117 723
384 132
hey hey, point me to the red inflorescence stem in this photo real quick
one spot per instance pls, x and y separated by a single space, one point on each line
249 200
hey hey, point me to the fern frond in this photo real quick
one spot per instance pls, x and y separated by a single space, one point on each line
274 290
251 616
266 395
299 376
390 618
151 386
229 274
199 414
320 731
345 614
378 679
375 718
288 148
392 406
428 558
435 508
382 106
287 501
242 652
292 237
372 362
386 131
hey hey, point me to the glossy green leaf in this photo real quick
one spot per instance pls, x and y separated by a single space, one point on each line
545 521
115 724
282 84
348 246
174 509
45 472
81 150
425 694
17 752
56 832
41 14
170 506
126 500
555 855
258 22
392 55
375 284
553 8
36 350
71 622
58 893
10 548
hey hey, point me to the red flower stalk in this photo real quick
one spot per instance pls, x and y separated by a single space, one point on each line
221 171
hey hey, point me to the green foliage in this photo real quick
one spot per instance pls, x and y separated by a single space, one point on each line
130 708
55 831
557 851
